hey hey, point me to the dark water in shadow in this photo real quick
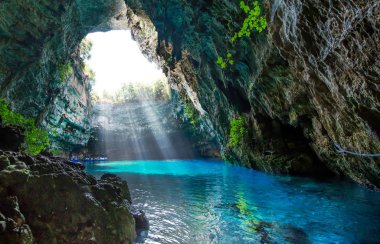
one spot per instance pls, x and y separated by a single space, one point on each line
214 202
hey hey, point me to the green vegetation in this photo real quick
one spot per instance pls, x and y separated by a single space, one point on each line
254 21
224 62
64 71
55 151
84 53
85 49
36 140
238 130
190 113
90 75
133 92
161 90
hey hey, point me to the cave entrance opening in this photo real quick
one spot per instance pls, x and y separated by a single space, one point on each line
132 114
115 62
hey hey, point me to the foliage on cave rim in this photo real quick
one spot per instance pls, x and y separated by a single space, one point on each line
36 140
134 92
85 49
254 21
84 53
80 55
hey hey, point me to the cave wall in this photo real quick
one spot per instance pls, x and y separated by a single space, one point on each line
332 50
68 116
309 81
38 38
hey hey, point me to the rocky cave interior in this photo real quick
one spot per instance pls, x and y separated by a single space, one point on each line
307 83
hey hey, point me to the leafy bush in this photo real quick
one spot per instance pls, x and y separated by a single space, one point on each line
55 151
36 140
224 62
238 130
190 114
85 49
254 21
161 90
64 71
90 75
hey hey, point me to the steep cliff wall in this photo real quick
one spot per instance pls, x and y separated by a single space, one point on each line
40 72
68 115
309 81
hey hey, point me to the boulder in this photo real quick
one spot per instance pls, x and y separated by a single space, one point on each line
50 200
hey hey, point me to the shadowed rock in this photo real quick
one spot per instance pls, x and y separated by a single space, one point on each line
11 138
54 201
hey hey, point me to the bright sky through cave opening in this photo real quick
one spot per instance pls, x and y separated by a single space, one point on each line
116 60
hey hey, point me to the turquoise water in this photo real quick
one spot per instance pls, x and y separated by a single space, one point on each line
214 202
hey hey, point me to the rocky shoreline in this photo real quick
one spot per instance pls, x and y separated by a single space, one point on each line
51 200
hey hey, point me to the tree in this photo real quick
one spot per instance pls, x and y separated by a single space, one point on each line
90 74
85 49
160 90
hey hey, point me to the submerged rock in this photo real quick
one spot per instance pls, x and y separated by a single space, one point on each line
142 223
268 231
50 200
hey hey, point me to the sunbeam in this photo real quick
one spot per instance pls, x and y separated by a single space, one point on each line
131 102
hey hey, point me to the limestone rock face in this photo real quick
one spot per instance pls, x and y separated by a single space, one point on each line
332 50
38 38
68 115
310 81
53 201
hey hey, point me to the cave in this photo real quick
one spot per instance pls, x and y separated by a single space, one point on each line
64 180
290 144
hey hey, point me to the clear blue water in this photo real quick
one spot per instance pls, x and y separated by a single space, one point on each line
214 202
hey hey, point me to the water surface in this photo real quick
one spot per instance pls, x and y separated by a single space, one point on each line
200 201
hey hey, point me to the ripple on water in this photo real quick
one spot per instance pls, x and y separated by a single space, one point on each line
213 202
